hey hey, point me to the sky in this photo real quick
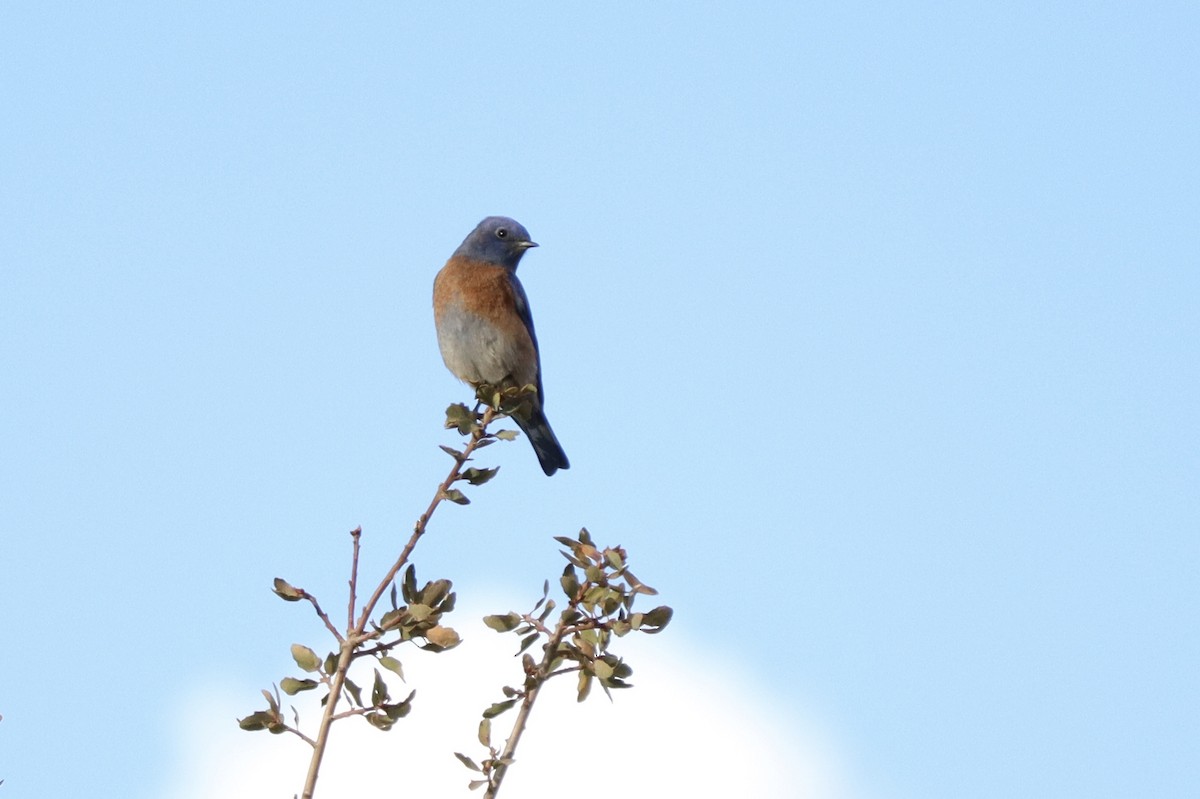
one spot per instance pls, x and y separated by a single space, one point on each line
871 332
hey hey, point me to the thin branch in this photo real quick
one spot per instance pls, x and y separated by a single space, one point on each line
540 676
302 736
355 534
356 630
324 616
335 692
419 528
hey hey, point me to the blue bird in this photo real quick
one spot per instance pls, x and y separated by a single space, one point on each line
485 329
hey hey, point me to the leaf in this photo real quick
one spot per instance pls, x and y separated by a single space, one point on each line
354 691
435 591
400 709
502 624
409 586
475 785
379 691
391 664
443 637
585 685
256 721
506 435
305 658
485 733
498 708
527 642
453 453
379 721
331 663
466 761
456 496
461 418
419 612
287 592
392 595
569 582
478 477
658 619
291 686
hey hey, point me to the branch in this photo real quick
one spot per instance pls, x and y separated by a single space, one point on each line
356 630
539 677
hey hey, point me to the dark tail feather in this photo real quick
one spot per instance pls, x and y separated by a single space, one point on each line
549 452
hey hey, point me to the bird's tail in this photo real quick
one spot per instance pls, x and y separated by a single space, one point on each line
549 452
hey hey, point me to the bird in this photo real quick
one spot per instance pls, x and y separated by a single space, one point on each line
485 329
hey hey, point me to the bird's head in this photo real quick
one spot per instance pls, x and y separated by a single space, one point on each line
497 240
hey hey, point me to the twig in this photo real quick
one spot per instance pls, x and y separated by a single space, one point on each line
539 677
323 616
355 534
356 630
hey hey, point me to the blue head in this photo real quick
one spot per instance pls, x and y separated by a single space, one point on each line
497 240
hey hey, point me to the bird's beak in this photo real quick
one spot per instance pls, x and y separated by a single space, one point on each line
525 245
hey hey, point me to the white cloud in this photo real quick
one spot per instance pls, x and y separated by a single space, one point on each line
687 728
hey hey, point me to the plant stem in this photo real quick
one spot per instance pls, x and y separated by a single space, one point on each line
355 632
335 692
542 674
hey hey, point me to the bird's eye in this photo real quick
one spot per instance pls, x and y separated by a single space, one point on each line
502 233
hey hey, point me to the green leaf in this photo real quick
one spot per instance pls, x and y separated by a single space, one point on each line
569 582
331 663
456 496
409 587
419 612
506 435
528 642
485 733
585 685
466 761
305 658
434 591
354 691
461 418
379 721
398 710
285 591
291 686
379 691
498 708
453 453
478 477
391 664
657 619
257 721
502 624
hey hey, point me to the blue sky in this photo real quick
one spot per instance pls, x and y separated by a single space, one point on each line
871 332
